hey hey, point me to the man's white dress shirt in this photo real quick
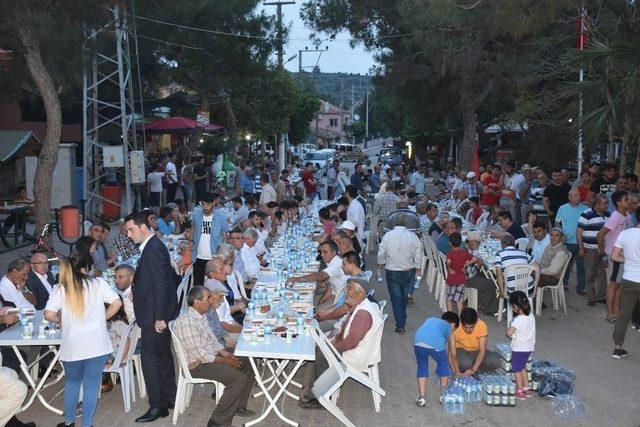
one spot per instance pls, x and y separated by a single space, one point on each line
400 250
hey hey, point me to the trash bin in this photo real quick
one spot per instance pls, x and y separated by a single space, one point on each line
112 196
69 221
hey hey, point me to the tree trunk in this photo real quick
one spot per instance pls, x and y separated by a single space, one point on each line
197 134
611 145
625 143
49 153
470 100
469 123
231 121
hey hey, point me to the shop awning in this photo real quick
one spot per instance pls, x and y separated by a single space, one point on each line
11 141
176 126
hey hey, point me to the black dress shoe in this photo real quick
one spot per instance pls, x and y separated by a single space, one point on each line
400 330
43 369
312 404
152 415
244 412
62 424
213 424
15 422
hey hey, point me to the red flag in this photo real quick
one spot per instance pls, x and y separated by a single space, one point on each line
582 30
476 158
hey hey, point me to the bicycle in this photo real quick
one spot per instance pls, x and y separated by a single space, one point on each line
42 246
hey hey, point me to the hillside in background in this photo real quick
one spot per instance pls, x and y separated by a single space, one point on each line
338 88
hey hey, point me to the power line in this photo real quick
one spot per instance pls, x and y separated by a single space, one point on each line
204 30
168 43
249 36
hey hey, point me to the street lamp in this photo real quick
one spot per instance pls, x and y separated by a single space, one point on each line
409 145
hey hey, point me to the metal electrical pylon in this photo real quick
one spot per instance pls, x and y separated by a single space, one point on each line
107 104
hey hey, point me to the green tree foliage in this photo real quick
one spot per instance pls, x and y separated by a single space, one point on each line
46 37
306 106
443 63
215 66
611 88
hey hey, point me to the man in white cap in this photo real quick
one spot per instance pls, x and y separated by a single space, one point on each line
487 299
472 187
351 231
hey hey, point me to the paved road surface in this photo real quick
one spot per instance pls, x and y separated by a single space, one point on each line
581 341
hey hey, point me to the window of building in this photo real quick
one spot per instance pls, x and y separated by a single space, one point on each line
333 122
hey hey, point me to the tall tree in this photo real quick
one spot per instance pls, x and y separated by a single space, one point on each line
47 37
472 47
234 47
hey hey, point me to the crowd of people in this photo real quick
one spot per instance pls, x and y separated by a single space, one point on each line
225 236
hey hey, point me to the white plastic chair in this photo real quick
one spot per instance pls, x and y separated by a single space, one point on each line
517 278
185 380
122 363
372 239
557 292
481 223
327 386
142 386
522 243
382 305
238 276
183 289
471 295
371 371
441 277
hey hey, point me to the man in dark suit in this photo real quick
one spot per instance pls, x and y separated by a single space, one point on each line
155 304
40 281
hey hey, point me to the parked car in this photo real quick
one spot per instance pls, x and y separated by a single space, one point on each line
390 156
302 149
350 153
322 157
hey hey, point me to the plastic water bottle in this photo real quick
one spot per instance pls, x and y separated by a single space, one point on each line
447 402
379 275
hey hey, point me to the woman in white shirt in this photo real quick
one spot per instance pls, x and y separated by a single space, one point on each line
79 300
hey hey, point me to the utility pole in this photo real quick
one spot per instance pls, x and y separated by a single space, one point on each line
583 35
107 72
281 153
307 50
279 5
366 118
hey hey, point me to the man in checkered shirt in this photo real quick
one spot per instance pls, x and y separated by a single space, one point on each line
123 245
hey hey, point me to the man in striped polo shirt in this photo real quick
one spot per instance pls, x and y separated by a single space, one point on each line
509 255
589 224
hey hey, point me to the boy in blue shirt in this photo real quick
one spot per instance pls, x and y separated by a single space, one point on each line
431 341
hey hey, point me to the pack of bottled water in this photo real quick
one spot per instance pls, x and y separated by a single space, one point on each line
503 349
453 399
472 388
498 390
